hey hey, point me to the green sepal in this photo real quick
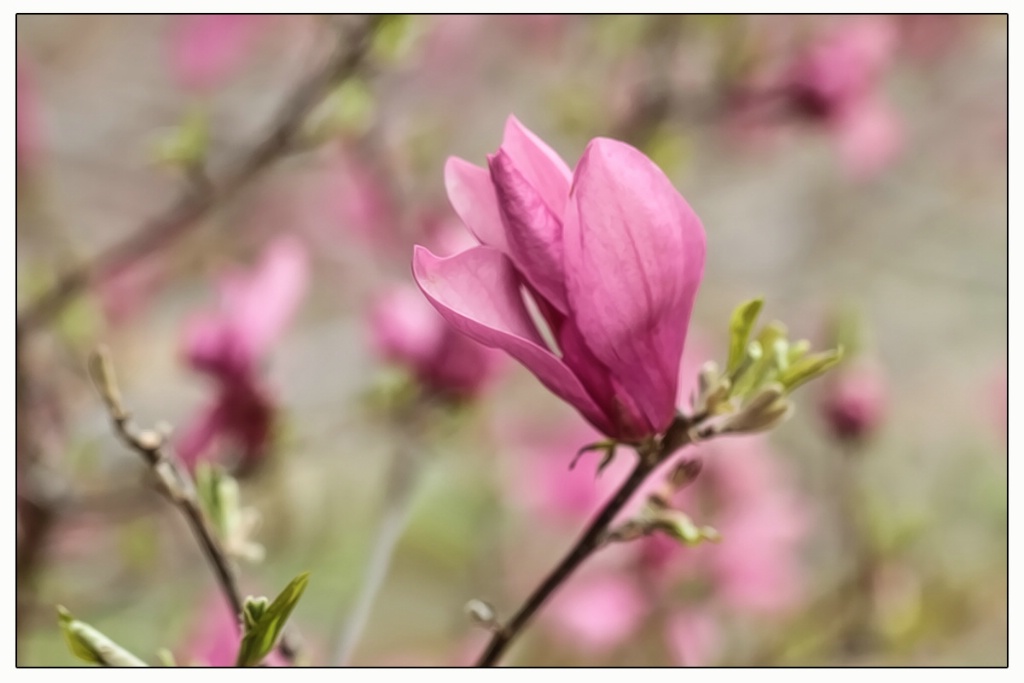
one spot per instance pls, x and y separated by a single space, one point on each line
607 447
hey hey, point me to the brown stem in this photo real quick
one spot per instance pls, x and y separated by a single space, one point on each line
587 544
197 201
178 486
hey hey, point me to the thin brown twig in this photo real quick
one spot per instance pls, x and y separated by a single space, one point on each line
176 484
649 458
197 201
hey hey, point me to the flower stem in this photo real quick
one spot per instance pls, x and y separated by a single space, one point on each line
588 542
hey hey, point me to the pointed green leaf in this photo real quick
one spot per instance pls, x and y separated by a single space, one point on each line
91 646
809 367
740 325
261 636
798 350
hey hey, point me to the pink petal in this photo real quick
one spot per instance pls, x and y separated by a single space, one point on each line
210 344
540 165
262 308
634 258
533 231
471 194
478 293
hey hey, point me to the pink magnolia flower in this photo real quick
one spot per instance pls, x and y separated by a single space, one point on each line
406 330
854 400
205 49
215 638
229 344
611 257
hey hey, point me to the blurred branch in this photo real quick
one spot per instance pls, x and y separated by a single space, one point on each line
403 477
37 494
198 200
175 482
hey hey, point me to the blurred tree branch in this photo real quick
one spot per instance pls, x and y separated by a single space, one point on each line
403 478
175 483
355 39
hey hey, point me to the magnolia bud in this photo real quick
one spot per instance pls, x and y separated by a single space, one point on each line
854 400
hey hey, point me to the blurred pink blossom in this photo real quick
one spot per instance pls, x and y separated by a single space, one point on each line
229 344
406 330
692 638
215 637
206 49
358 200
29 123
854 400
837 81
597 612
540 479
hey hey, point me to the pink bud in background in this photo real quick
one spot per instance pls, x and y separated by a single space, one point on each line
837 81
28 111
229 343
842 67
854 400
406 330
206 49
611 256
215 637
